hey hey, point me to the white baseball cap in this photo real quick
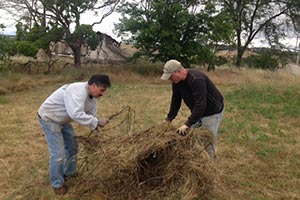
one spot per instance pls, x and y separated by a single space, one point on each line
170 67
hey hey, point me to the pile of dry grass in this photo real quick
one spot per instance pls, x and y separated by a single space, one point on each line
153 164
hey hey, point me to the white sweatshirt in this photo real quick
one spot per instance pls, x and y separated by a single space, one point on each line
70 102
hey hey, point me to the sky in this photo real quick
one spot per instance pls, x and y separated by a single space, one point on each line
107 27
8 22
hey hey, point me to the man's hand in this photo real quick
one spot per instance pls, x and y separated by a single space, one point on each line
103 121
167 121
182 130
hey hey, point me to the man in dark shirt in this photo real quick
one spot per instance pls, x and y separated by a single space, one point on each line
201 96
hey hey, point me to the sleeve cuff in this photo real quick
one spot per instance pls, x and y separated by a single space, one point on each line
94 124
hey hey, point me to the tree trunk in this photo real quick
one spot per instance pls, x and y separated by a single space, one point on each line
43 21
298 55
77 59
239 58
239 48
76 48
240 52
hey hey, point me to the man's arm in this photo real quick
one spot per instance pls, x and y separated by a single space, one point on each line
74 102
198 88
175 103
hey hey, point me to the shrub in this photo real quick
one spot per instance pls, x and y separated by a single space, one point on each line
4 44
145 68
25 48
220 60
262 61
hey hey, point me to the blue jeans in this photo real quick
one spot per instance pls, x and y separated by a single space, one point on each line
212 123
63 149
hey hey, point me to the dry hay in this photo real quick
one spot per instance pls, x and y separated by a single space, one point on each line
153 164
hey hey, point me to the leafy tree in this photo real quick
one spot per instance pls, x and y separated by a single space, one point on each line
4 45
21 31
250 18
165 29
25 48
83 34
35 38
64 14
41 36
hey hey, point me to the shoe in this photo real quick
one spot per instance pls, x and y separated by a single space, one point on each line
61 190
75 175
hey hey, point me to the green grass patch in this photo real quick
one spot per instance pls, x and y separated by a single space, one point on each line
258 116
266 152
269 101
3 100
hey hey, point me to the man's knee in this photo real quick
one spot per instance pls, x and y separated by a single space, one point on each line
58 155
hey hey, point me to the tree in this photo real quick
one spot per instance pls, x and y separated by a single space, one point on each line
295 19
39 36
250 18
66 14
4 44
83 34
165 29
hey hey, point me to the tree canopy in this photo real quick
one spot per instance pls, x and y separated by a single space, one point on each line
186 30
61 18
178 29
249 18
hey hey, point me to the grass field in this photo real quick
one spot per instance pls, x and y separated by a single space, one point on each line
258 147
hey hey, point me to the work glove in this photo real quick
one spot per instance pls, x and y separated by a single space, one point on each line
182 130
103 121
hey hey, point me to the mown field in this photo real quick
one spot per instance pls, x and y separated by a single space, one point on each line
258 147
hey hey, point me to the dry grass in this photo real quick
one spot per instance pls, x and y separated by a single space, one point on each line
155 163
232 77
239 171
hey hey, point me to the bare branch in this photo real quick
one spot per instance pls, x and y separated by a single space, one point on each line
112 5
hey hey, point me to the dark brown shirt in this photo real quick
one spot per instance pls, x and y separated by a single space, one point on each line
199 94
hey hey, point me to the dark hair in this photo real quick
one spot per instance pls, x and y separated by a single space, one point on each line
100 80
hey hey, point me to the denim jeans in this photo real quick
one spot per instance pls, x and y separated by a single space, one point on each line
212 123
63 149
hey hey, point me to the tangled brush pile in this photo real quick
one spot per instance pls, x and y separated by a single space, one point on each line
153 164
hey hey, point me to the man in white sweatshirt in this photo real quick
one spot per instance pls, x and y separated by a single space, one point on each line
71 102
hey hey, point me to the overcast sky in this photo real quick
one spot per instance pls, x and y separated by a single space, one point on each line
107 26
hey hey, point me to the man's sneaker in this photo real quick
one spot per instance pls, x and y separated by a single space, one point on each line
60 191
